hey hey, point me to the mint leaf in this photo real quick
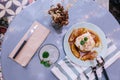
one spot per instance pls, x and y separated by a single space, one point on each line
85 39
82 42
42 62
45 54
47 64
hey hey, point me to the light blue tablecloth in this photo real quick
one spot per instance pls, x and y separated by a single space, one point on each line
82 10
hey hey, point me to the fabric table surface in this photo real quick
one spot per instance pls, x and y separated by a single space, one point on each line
82 10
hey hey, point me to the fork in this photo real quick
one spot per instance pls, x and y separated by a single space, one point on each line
101 64
94 71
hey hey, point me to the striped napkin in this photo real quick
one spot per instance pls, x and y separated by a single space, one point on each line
67 70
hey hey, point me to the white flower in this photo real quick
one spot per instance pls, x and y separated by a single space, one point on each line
5 9
20 5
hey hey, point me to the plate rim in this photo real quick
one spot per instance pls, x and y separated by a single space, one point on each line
66 44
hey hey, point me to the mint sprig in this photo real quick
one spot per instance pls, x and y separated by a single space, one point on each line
45 63
45 54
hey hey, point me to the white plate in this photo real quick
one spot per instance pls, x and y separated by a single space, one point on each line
101 49
53 53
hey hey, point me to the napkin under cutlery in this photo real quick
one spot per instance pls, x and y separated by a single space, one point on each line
67 70
25 40
33 42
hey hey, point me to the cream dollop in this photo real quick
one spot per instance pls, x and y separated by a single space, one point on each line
88 45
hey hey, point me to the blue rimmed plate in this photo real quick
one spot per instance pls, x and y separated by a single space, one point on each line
101 50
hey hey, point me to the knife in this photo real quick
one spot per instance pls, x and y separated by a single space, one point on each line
25 41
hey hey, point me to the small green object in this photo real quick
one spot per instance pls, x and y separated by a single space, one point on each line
45 54
82 42
42 61
85 39
47 64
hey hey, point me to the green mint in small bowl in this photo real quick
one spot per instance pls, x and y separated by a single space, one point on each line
45 63
45 54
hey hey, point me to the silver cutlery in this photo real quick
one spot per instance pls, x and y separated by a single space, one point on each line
100 63
94 68
25 41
